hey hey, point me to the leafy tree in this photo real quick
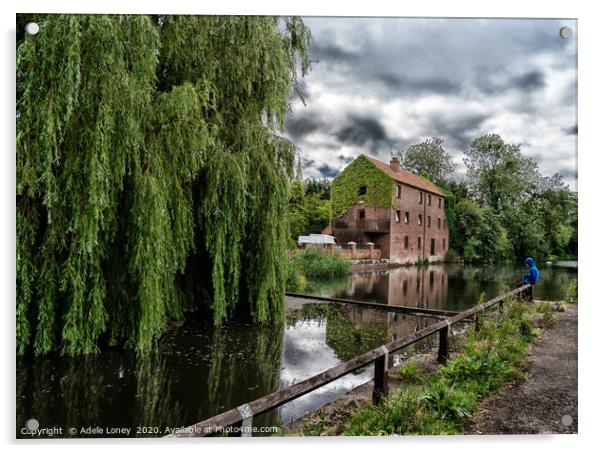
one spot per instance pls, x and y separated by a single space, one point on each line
151 178
310 209
429 159
320 187
483 236
498 174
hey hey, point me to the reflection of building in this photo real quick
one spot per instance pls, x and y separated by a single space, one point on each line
413 286
424 287
398 211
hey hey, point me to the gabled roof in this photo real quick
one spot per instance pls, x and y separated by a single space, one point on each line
405 177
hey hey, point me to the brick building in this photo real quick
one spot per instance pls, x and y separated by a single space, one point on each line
408 226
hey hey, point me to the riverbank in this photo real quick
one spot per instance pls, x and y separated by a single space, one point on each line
538 404
544 385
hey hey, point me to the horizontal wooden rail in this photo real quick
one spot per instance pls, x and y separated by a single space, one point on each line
401 308
242 415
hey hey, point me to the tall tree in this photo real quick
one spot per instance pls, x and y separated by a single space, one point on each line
151 176
498 174
429 159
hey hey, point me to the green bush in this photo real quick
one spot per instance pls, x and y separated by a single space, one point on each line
315 264
410 374
571 292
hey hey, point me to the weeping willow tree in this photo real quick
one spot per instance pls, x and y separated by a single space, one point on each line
151 176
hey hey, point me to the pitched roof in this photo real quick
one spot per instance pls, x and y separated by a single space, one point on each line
406 177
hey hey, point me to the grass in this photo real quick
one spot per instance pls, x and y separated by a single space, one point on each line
571 292
410 374
313 264
442 403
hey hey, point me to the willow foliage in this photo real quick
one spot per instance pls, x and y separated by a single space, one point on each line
151 179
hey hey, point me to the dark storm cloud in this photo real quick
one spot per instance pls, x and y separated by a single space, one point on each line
328 171
331 52
492 81
401 84
458 131
529 81
359 130
298 126
385 83
345 159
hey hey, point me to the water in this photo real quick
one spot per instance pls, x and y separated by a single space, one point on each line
445 286
199 371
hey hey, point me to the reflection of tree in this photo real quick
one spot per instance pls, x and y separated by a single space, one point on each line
82 391
329 287
243 368
21 394
156 406
351 331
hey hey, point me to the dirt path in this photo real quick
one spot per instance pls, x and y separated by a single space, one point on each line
546 402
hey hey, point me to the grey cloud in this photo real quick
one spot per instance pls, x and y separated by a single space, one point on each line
299 126
530 81
345 159
429 67
328 171
360 130
458 131
493 82
332 53
403 84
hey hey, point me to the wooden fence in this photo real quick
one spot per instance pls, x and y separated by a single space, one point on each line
241 418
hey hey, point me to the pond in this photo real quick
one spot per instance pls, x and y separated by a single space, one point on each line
199 371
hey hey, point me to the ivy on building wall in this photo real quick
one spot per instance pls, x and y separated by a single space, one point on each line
345 191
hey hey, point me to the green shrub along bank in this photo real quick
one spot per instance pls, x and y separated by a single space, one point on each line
443 402
313 264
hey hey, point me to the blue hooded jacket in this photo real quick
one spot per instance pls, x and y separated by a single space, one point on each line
532 276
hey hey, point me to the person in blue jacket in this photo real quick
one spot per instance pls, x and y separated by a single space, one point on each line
531 277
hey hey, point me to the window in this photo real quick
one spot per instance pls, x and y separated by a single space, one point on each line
444 224
419 219
443 241
361 214
363 190
429 199
428 221
419 243
398 191
440 202
420 198
407 218
406 242
397 216
439 223
432 246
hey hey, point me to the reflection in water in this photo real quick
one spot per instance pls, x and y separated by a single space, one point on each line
199 371
449 287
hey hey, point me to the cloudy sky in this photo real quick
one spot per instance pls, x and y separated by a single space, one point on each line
380 84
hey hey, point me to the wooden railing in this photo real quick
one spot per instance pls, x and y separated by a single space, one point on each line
241 418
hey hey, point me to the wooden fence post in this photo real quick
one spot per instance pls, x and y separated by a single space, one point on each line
381 378
443 352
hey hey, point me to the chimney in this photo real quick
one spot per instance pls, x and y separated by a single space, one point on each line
395 165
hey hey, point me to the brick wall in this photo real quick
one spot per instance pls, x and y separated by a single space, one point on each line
410 202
